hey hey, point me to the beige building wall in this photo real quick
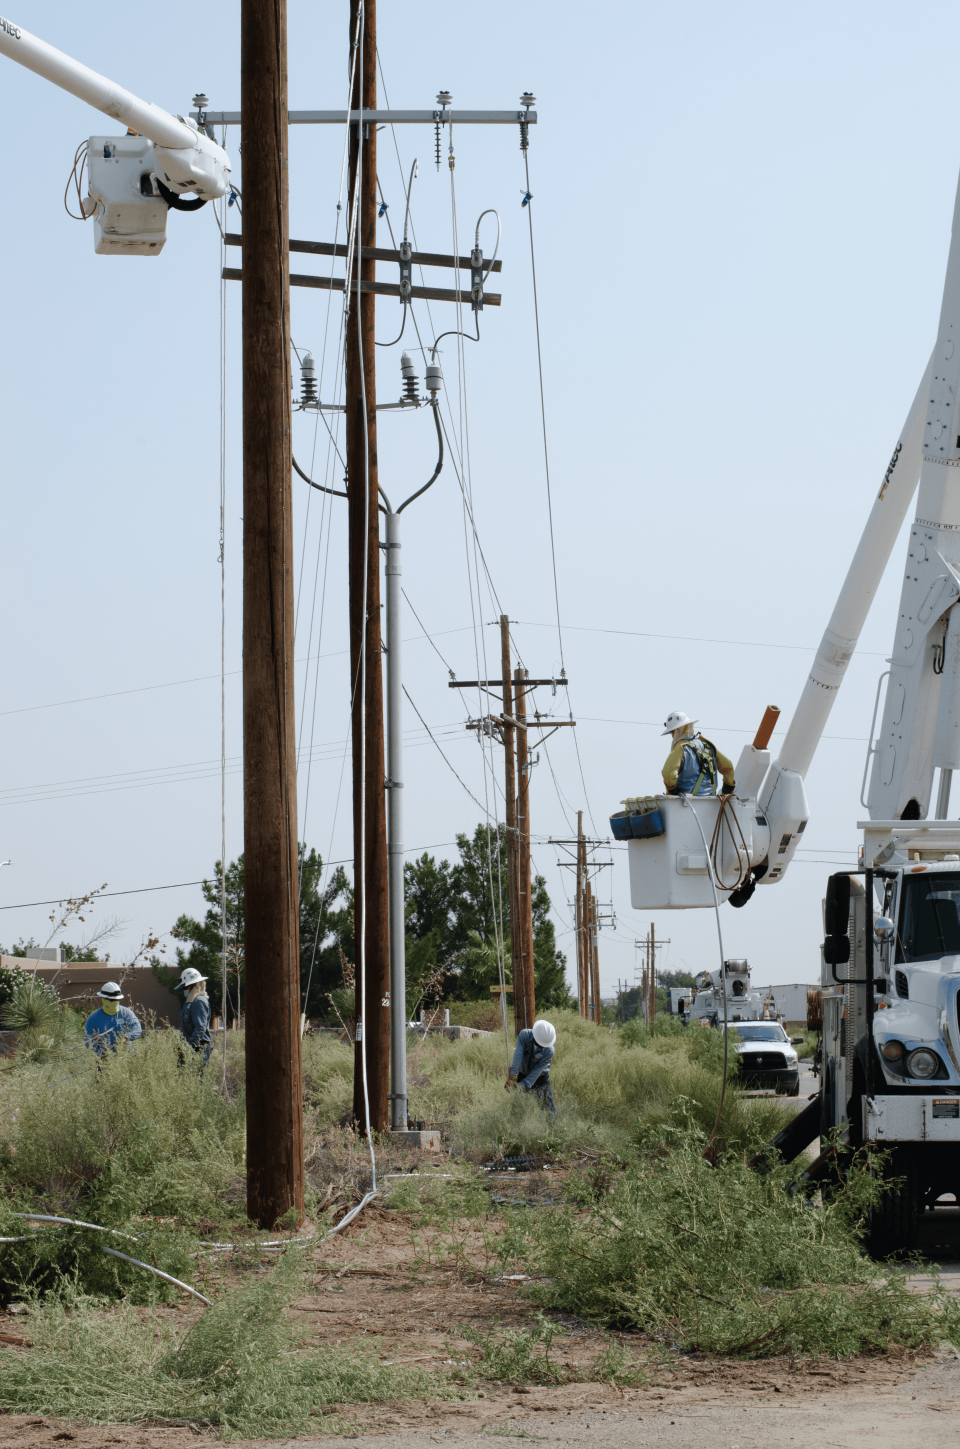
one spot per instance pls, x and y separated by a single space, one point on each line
77 984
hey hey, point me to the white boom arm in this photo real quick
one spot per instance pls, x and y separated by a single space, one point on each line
781 797
190 160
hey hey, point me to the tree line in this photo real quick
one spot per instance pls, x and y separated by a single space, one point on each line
457 930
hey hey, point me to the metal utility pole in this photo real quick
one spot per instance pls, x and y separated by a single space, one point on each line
271 910
524 1004
510 796
371 924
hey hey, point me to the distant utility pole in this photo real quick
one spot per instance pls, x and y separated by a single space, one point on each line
586 920
274 1097
512 728
370 914
648 979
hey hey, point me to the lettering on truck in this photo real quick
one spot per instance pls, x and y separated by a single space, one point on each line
9 28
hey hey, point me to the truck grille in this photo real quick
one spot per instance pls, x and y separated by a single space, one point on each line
762 1061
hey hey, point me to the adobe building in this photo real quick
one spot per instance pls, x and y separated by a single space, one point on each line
77 984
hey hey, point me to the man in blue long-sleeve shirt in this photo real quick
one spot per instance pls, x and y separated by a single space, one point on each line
530 1070
111 1022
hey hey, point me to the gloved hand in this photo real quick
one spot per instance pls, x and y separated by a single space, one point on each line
510 1082
727 789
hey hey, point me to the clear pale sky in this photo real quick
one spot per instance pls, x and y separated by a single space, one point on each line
742 216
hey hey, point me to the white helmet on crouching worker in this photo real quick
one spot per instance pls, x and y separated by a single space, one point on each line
189 978
544 1034
677 720
110 991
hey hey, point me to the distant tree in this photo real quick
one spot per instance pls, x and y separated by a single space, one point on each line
323 929
456 914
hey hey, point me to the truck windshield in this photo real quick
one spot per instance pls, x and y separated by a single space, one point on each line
759 1030
929 917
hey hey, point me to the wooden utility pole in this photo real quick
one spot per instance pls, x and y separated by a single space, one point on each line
652 973
594 958
370 916
274 1093
510 795
583 989
525 1015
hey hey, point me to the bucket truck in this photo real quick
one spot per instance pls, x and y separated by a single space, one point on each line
135 178
890 966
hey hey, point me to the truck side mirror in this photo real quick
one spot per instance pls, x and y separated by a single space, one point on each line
836 947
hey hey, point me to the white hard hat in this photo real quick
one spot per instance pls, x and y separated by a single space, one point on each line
544 1034
676 721
190 977
111 991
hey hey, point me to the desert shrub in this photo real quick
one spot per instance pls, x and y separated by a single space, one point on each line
42 1258
240 1367
606 1091
136 1131
33 1009
327 1077
10 976
484 1015
723 1259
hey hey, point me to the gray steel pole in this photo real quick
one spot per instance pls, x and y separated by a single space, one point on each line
398 965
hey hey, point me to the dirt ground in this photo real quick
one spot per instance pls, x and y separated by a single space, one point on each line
371 1281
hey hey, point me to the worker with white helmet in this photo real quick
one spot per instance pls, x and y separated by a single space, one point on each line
111 1022
195 1012
693 764
530 1070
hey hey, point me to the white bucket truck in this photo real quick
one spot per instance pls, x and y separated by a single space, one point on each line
891 957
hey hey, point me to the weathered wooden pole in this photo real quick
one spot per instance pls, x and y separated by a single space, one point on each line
272 993
371 915
524 886
510 798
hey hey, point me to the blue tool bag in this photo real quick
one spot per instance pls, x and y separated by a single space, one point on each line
641 820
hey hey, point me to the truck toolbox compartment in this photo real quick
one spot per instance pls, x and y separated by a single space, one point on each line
911 1117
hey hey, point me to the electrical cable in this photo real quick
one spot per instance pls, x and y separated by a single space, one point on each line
688 802
484 808
362 680
76 176
223 647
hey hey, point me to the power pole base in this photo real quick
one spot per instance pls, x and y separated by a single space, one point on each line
427 1141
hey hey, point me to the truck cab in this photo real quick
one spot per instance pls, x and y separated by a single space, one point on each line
891 1032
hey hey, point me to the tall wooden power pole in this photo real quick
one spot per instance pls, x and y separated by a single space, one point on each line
525 1005
652 973
510 798
271 909
370 913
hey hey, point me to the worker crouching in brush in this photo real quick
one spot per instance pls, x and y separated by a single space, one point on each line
195 1012
530 1070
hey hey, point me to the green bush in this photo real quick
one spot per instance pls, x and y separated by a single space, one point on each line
723 1259
133 1132
240 1367
608 1086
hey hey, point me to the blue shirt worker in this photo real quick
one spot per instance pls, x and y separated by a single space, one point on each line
530 1070
195 1012
111 1022
694 764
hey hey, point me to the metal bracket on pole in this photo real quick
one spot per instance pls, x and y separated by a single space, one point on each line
381 118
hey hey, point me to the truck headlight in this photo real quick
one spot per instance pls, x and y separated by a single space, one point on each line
923 1063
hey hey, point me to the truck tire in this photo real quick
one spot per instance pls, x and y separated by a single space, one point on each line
894 1222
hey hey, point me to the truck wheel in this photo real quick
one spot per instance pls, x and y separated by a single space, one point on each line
895 1221
794 1091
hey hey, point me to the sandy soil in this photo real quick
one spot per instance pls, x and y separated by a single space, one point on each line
371 1283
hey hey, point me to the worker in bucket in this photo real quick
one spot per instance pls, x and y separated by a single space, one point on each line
111 1022
530 1070
693 764
195 1012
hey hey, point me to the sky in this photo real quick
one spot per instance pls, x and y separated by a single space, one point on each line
740 234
